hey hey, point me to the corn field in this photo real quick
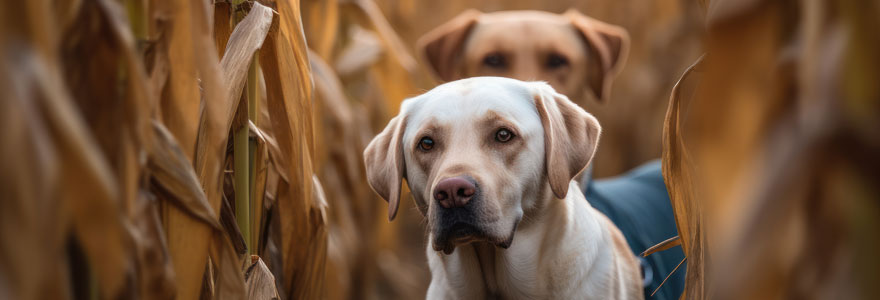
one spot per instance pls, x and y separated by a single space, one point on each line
161 149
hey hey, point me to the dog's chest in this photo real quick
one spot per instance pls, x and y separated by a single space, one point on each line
513 273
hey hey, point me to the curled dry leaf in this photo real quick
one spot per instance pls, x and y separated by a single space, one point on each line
397 69
664 245
155 271
32 226
180 107
172 172
228 267
260 282
261 169
677 174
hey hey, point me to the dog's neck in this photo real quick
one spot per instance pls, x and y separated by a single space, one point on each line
485 254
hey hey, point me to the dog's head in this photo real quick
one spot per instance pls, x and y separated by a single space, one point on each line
480 154
576 54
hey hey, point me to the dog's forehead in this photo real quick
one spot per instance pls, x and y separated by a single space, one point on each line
504 31
519 16
523 22
467 100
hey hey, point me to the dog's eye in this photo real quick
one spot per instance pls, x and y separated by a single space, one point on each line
503 135
555 61
426 144
495 60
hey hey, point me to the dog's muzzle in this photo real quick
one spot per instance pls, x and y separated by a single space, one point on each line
458 216
460 226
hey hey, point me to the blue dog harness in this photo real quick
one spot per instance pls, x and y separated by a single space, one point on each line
638 203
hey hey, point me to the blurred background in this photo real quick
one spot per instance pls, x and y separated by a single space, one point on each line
213 149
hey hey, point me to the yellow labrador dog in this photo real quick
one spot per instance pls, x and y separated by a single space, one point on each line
490 162
574 53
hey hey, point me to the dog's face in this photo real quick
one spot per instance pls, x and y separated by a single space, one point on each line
480 154
574 53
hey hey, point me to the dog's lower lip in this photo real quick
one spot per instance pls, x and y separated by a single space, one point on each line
460 233
506 243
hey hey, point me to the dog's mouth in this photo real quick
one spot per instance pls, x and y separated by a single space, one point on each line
465 233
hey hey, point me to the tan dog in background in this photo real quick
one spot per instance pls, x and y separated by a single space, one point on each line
488 159
574 53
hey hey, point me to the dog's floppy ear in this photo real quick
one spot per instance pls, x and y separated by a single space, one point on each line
570 137
385 164
608 47
442 46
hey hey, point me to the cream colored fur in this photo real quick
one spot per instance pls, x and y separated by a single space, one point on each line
559 246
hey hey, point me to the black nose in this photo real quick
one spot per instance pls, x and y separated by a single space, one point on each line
454 192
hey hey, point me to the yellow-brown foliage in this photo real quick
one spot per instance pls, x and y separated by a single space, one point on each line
203 149
117 178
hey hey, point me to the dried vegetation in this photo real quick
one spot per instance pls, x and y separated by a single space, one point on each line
201 149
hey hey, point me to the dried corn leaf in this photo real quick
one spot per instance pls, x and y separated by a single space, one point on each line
222 25
155 271
89 189
370 16
664 245
228 267
87 192
321 23
173 173
33 227
679 179
288 87
396 72
96 47
180 108
261 168
260 282
245 39
227 219
364 49
351 214
270 249
189 239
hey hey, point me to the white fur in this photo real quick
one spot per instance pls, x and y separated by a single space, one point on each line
562 248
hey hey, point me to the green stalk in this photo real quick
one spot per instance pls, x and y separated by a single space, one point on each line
137 17
253 113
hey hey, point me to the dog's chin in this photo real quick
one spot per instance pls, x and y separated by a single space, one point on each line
462 234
